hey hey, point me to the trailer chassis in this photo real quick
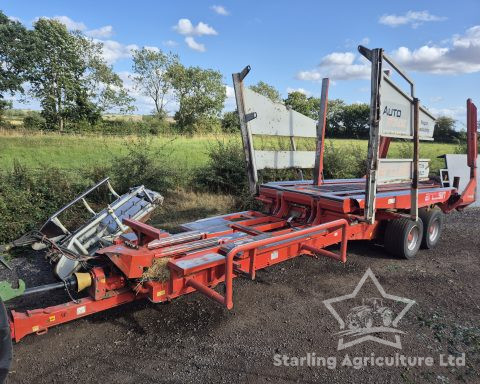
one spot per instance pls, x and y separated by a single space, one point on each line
298 218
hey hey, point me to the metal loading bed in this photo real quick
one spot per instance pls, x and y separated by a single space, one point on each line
348 195
404 210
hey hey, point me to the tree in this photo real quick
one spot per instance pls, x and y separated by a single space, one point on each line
70 77
335 125
153 76
104 87
57 70
230 122
356 120
343 120
201 95
14 58
309 106
445 130
266 90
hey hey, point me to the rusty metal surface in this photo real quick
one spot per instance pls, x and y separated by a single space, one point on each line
247 140
374 137
321 128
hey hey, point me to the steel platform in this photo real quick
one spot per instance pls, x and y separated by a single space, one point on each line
348 195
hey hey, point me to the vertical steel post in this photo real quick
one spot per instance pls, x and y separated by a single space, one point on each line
246 134
472 147
293 144
374 138
416 158
321 127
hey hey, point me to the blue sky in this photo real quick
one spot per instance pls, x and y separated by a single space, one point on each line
290 44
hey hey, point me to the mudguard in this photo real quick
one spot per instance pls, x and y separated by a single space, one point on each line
5 344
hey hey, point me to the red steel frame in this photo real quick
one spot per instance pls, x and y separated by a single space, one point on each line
298 218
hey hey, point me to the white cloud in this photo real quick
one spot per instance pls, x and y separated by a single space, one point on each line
301 90
454 112
67 21
113 50
230 92
194 44
219 9
413 18
72 25
230 102
169 43
13 18
436 99
185 27
338 58
457 55
462 55
151 48
102 32
352 44
338 66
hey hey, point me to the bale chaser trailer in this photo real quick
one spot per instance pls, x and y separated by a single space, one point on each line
396 202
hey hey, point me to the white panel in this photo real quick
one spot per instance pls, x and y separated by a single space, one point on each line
399 170
396 113
275 118
284 159
457 166
426 124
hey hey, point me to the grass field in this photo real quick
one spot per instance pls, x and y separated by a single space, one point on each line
79 151
186 153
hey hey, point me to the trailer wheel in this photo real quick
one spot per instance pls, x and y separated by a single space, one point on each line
432 227
403 237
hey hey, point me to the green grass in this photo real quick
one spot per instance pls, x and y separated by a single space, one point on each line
79 151
186 153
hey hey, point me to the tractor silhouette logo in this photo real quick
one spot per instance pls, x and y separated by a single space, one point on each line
376 319
372 311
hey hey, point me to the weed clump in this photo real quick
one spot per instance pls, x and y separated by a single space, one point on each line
225 170
29 196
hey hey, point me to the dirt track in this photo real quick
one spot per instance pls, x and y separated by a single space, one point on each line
194 340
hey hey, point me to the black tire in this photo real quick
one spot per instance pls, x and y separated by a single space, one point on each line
432 226
5 344
403 237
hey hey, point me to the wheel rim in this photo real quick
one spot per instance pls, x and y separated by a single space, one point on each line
412 238
368 322
433 230
387 319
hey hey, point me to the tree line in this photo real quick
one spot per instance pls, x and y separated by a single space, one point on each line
343 120
66 72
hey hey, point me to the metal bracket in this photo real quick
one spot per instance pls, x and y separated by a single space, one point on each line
250 116
4 262
247 140
244 72
367 53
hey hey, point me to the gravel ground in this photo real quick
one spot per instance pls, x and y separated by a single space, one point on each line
194 340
